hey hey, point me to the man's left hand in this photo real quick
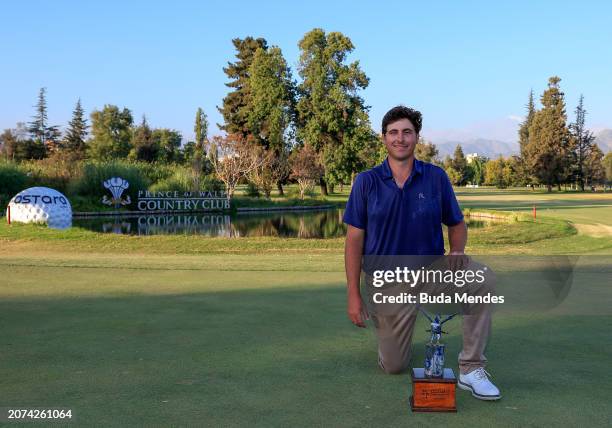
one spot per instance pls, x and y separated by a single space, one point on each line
458 260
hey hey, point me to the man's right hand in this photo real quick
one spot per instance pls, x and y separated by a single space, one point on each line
353 251
357 311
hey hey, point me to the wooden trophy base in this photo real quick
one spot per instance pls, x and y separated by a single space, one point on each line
430 394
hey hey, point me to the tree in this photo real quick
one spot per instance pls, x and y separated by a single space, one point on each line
501 172
272 99
111 130
522 171
235 162
269 170
235 103
74 140
201 135
200 129
188 152
583 144
426 151
8 142
459 164
305 168
524 127
329 106
494 173
168 143
270 110
21 131
477 170
38 128
453 175
510 176
213 153
43 135
143 144
30 149
548 149
54 139
607 165
372 151
16 146
593 167
358 151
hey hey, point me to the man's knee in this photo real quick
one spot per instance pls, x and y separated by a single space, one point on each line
393 367
393 363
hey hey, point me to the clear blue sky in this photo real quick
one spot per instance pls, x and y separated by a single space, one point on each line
468 66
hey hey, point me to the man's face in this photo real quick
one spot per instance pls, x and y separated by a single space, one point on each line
400 140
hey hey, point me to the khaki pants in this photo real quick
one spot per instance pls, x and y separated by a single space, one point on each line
395 327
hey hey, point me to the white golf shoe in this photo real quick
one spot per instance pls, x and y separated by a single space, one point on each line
477 381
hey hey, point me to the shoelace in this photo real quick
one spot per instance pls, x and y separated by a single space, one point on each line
482 374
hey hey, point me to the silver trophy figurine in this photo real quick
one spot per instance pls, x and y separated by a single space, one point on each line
434 350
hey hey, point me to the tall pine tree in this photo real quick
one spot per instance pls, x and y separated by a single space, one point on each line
38 128
143 145
524 127
547 151
459 164
200 128
201 131
235 104
522 170
74 140
583 144
43 135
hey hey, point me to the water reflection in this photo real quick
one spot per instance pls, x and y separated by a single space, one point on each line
310 224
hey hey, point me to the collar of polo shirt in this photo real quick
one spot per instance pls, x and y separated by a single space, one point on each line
386 173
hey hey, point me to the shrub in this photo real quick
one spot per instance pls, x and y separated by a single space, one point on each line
13 179
90 182
252 190
57 171
157 171
183 180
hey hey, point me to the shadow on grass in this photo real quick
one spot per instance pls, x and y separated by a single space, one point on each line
276 358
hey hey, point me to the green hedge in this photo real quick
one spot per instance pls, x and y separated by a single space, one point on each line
13 179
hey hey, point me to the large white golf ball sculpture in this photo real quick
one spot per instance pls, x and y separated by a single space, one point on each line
41 205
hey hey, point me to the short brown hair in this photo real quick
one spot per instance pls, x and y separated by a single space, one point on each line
403 112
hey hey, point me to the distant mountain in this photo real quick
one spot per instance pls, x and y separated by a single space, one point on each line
489 148
493 148
603 139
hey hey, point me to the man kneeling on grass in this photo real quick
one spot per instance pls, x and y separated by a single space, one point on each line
398 208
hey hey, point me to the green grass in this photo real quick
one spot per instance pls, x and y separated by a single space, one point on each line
248 343
184 330
590 208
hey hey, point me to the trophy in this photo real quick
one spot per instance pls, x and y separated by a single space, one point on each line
433 387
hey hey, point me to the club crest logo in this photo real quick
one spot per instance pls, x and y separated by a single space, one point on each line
116 186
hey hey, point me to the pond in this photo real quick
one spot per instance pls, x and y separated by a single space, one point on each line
304 224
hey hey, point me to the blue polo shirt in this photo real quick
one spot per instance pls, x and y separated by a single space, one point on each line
405 221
